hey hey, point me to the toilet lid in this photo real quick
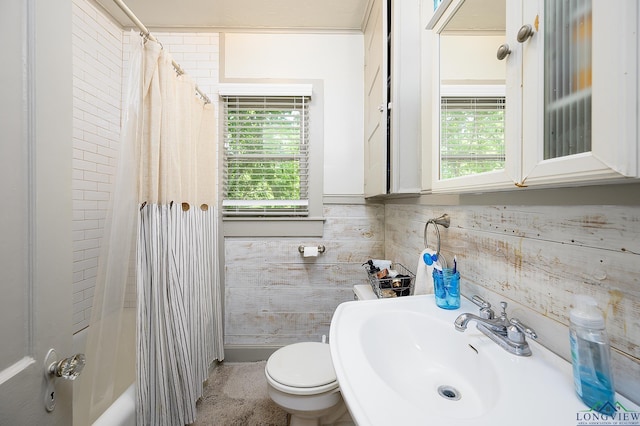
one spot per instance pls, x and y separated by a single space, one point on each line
302 365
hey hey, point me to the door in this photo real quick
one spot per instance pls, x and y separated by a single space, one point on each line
35 218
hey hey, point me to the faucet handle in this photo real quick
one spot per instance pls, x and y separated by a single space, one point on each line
479 301
523 328
485 307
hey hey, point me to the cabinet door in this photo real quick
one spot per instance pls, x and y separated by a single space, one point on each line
403 73
392 97
477 135
580 90
375 132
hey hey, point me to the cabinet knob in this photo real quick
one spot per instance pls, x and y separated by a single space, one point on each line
503 51
525 33
381 107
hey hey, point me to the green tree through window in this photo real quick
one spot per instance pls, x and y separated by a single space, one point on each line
471 136
266 149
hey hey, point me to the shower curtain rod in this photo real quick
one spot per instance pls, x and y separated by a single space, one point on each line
146 33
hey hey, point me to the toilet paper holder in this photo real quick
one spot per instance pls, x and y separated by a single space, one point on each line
321 249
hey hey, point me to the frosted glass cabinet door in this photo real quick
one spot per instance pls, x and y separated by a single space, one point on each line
579 91
567 78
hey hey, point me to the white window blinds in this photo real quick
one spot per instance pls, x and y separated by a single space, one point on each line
266 155
471 135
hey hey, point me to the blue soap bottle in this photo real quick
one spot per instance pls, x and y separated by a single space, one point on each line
591 356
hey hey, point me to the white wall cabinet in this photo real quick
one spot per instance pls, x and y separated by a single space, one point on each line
392 97
571 88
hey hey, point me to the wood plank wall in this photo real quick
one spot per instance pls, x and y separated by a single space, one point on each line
274 296
536 259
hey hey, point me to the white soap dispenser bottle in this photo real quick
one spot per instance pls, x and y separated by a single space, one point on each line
591 356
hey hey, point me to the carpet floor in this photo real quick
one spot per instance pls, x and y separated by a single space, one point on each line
236 395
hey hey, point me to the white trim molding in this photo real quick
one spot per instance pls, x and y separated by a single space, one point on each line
258 89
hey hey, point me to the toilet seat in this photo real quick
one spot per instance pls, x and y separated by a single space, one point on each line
302 369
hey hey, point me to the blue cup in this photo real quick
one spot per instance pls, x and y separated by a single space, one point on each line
446 286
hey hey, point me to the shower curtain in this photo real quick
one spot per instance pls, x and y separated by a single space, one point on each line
159 256
176 246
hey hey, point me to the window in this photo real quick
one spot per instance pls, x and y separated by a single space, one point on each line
471 135
266 154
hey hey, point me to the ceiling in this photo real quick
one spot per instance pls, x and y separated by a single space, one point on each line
485 15
335 15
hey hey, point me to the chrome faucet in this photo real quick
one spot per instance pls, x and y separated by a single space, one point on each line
509 334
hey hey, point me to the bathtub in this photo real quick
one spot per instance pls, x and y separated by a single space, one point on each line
122 411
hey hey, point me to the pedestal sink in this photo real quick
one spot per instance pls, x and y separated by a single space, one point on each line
401 362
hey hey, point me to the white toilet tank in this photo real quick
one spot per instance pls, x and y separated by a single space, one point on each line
363 292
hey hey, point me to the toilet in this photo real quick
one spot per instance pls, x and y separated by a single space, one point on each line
301 380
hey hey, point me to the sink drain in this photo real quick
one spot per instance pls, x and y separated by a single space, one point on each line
449 392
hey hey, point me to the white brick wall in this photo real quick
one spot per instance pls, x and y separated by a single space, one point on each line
196 53
97 81
100 70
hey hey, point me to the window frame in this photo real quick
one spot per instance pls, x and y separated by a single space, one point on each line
266 226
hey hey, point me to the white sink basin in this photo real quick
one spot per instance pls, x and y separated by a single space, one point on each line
401 362
413 366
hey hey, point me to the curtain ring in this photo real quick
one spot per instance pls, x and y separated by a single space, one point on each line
147 36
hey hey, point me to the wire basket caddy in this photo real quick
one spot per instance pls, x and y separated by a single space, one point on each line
401 285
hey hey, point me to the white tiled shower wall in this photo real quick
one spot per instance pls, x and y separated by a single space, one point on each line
97 88
101 51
